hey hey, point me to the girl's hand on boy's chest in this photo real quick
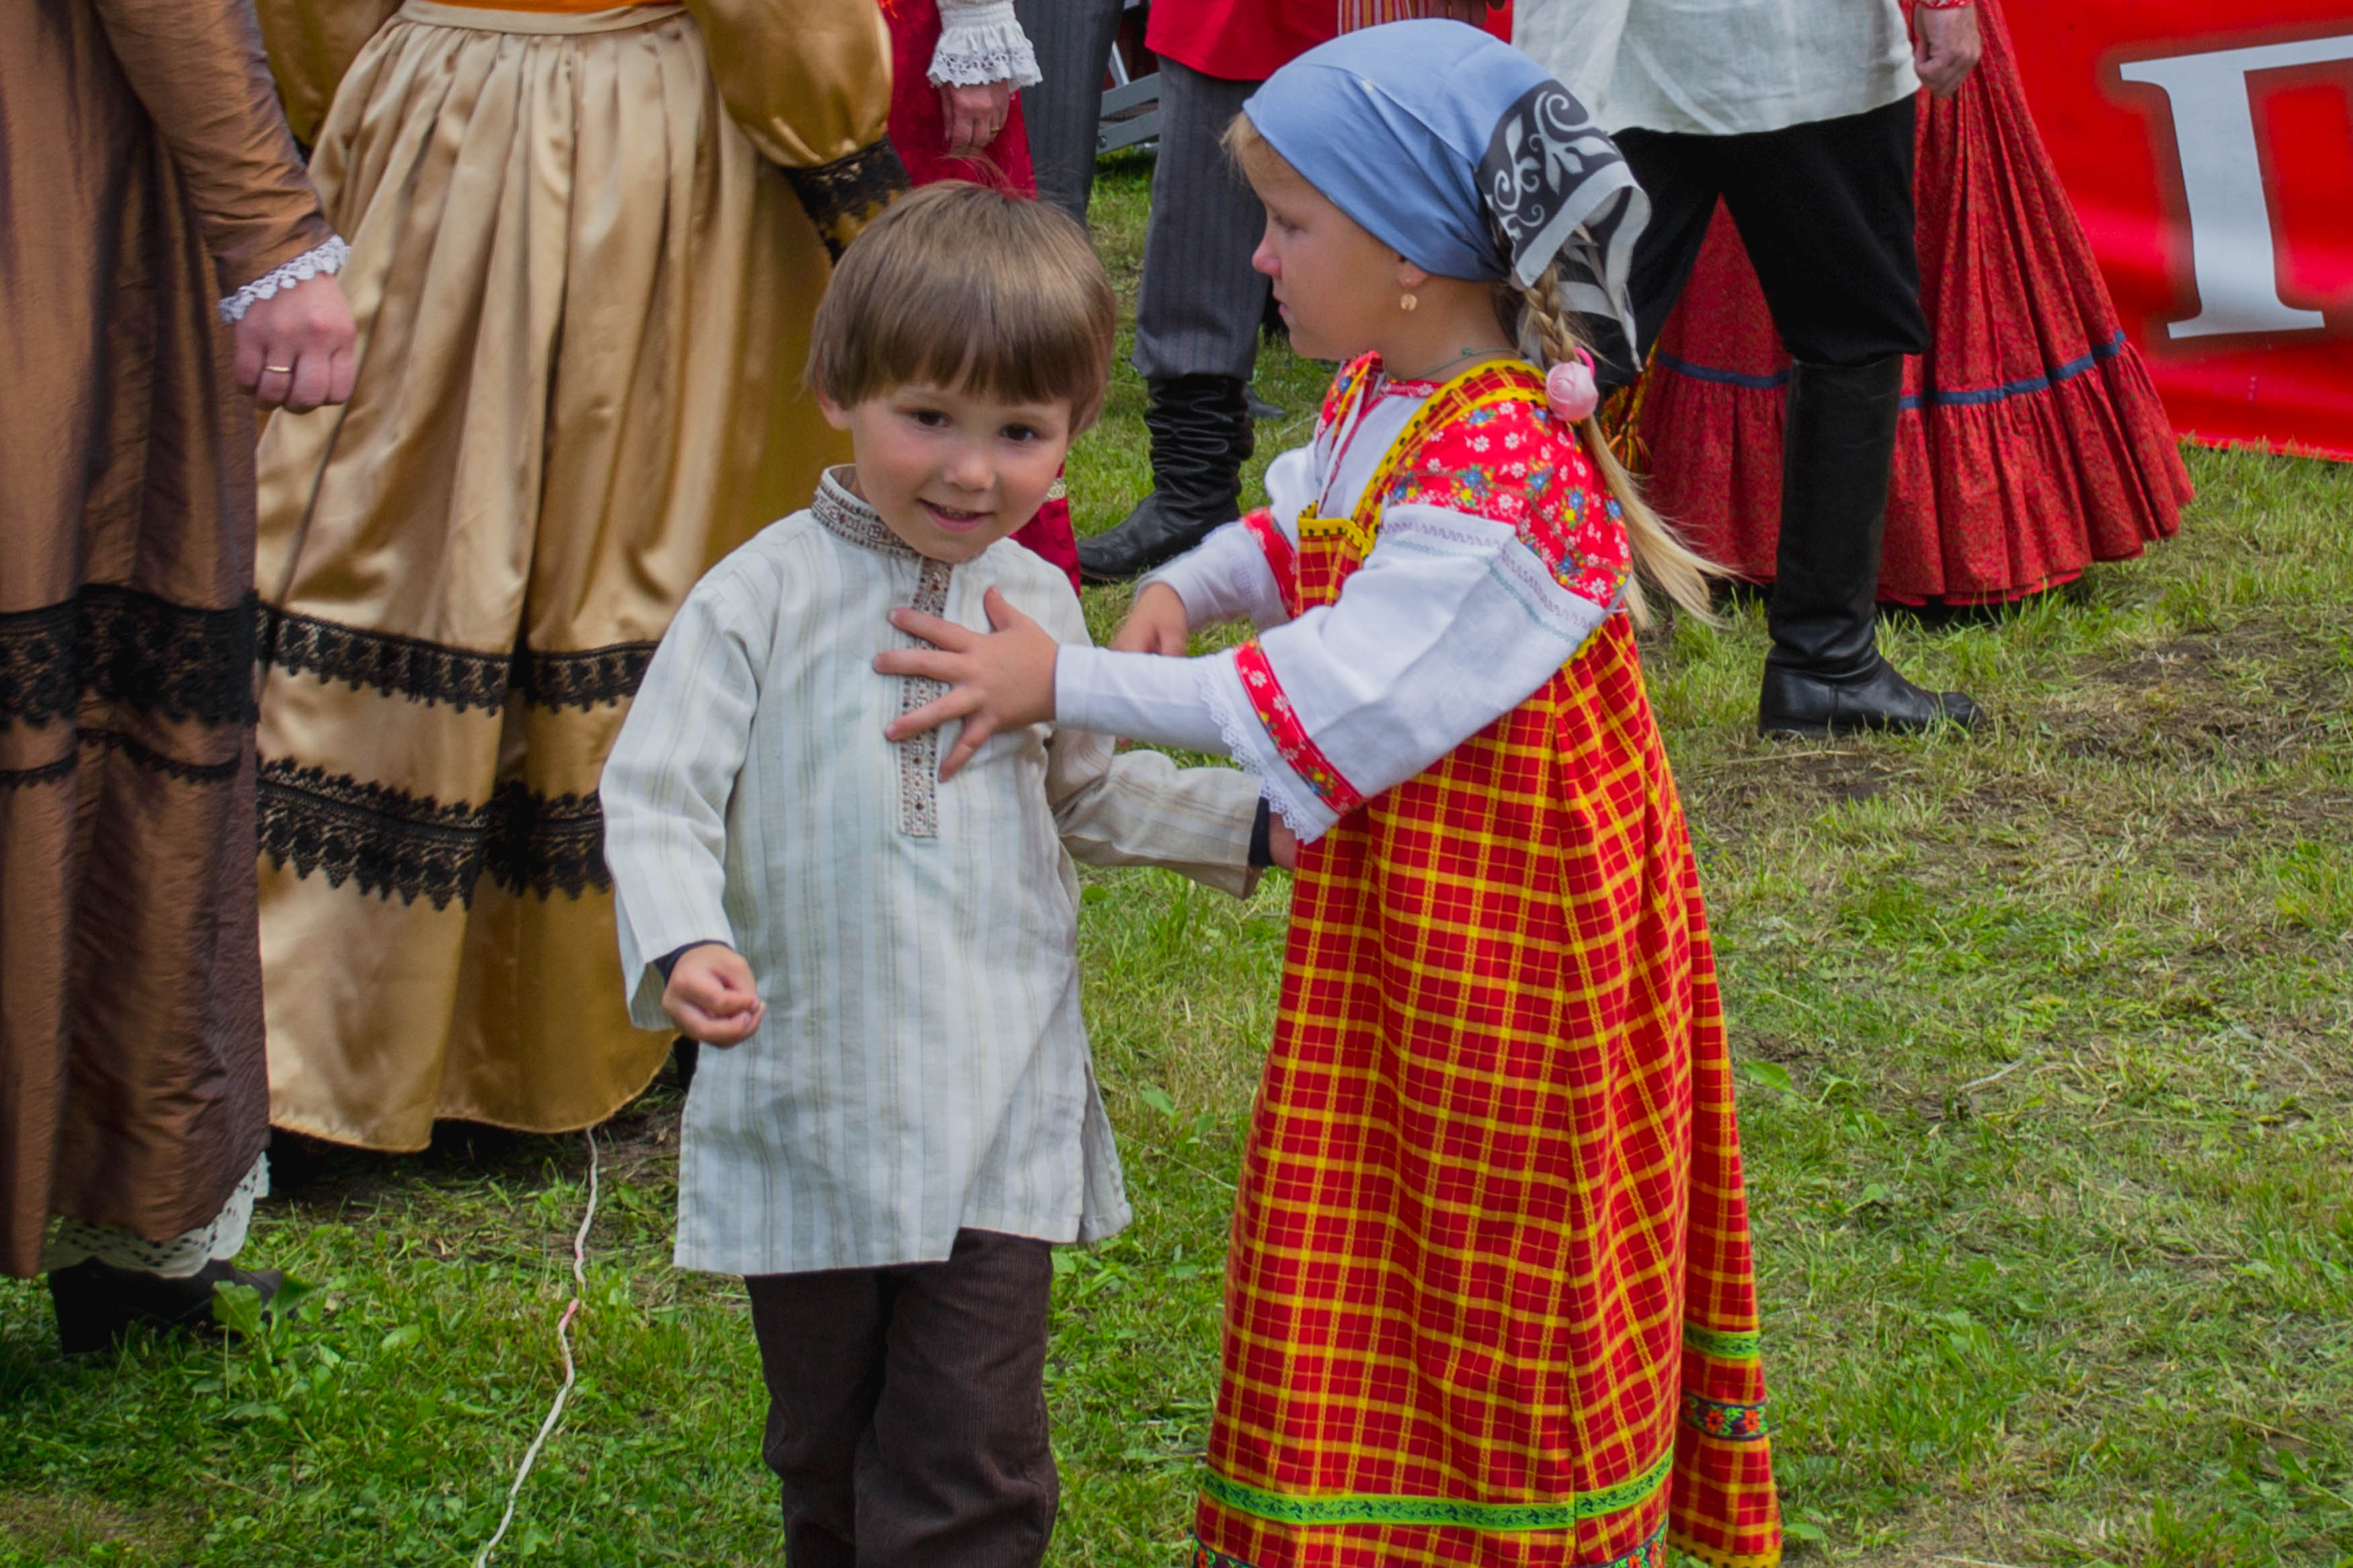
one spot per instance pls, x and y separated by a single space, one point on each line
998 680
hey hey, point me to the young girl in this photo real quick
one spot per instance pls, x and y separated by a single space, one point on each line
1490 1298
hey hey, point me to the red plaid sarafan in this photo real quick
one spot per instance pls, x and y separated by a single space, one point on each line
1490 1298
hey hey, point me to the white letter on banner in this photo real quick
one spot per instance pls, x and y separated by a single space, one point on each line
2231 252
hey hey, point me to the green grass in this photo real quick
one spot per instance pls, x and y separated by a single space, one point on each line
2044 1040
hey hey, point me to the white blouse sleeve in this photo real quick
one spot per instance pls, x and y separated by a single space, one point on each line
1453 621
1236 573
982 41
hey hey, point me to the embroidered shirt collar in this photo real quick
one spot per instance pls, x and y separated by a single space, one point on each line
842 511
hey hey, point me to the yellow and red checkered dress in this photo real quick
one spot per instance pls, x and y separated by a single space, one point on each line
1490 1298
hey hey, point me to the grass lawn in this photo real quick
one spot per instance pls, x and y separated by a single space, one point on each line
2044 1038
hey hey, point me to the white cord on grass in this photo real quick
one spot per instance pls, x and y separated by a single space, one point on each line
563 1339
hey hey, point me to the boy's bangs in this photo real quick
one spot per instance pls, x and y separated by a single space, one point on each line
957 286
966 329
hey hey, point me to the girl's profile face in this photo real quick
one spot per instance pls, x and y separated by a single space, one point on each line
1337 284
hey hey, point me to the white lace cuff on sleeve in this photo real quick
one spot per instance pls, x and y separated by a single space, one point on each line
982 42
320 260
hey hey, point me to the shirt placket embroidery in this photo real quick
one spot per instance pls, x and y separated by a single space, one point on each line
919 755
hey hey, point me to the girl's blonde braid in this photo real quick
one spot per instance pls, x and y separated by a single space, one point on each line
1547 338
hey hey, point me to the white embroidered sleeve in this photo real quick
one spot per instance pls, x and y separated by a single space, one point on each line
1228 576
322 260
1224 578
981 41
1140 696
1452 622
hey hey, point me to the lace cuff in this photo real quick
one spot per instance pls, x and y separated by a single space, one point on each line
982 43
71 1241
326 259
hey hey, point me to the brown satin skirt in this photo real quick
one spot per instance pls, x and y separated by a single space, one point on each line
584 303
131 1067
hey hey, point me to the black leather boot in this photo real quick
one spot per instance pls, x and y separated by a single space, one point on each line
96 1303
1201 435
1824 675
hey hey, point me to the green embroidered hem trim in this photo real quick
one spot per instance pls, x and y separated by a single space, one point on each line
1724 1346
1651 1554
1430 1511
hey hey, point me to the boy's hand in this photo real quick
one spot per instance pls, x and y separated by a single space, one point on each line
1156 622
1000 680
710 995
1281 844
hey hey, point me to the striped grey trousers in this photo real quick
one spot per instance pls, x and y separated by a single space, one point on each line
1073 39
1197 305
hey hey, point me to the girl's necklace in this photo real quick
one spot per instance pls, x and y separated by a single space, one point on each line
1454 359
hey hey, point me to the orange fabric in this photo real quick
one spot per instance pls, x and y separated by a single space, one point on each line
1490 1300
553 7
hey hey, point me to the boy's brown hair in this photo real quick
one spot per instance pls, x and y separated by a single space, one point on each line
957 285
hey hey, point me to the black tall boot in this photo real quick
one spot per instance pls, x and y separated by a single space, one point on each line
1824 675
1202 434
96 1303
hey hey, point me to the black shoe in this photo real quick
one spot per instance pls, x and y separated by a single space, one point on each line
1796 702
1824 674
96 1303
1201 435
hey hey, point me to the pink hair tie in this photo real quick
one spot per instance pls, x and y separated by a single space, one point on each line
1570 389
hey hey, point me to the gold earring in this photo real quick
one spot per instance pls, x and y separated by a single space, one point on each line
1406 301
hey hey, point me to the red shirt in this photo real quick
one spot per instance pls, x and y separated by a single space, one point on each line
1249 40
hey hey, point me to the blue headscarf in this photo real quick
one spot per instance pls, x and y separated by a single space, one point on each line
1459 152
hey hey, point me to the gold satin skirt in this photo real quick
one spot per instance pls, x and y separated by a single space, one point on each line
584 303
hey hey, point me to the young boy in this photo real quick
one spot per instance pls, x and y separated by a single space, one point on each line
907 1120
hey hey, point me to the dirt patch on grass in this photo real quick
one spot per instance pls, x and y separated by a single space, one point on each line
2258 689
1733 793
48 1527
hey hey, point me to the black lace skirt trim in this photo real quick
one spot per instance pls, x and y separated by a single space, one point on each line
405 666
437 673
131 648
395 842
545 844
845 196
593 677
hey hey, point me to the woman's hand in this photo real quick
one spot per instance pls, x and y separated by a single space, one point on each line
1000 680
710 995
1156 622
974 115
1946 45
294 349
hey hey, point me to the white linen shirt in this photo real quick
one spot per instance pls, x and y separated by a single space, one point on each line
922 1065
1720 68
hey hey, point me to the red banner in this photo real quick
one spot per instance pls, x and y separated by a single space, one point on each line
2209 150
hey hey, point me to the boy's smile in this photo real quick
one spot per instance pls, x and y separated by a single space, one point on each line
951 470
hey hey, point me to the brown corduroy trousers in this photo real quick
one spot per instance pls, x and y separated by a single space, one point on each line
907 1408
